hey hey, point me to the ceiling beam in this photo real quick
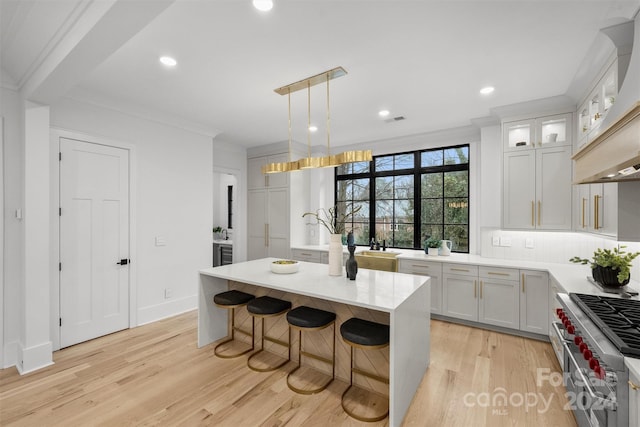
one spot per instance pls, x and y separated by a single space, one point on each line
102 28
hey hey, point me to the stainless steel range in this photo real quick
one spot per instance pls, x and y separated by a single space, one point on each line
596 333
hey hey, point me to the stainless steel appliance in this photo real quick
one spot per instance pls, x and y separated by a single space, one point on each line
596 333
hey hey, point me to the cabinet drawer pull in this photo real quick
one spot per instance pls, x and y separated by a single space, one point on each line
633 385
596 212
498 274
584 202
480 289
419 266
533 224
475 290
539 213
305 254
460 269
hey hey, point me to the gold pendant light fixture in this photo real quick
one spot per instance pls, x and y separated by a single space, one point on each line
310 162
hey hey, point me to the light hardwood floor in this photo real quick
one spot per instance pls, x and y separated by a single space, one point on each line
155 375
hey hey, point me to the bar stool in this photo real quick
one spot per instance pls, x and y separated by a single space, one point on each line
363 334
312 319
262 308
232 300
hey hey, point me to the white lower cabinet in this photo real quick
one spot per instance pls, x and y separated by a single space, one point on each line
634 399
426 268
460 291
534 301
499 302
306 255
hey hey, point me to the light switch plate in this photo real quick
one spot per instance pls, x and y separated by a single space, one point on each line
505 241
161 241
495 240
528 243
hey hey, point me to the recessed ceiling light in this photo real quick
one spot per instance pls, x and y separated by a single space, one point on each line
168 61
313 128
263 5
487 90
383 113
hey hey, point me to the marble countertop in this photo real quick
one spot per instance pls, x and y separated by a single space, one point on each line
570 277
378 290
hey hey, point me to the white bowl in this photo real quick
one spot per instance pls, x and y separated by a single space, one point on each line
285 266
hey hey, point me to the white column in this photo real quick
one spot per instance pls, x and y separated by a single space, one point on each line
35 349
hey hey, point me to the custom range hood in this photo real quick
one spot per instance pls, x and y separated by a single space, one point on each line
614 154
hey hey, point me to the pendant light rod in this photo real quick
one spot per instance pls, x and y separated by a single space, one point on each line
334 73
328 120
309 119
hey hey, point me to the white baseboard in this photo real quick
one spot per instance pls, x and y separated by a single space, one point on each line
35 357
168 308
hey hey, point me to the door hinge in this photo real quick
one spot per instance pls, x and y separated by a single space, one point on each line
59 211
59 266
60 156
60 318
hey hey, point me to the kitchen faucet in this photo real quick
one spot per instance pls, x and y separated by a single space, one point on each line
226 235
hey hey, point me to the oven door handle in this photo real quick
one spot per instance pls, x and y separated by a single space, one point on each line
606 403
558 332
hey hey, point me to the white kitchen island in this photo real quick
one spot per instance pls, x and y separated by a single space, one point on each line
404 298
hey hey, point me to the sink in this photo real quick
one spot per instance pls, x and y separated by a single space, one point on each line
222 242
377 260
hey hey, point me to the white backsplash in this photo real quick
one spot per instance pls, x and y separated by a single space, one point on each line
555 247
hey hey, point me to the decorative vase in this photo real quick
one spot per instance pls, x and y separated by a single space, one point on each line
608 277
351 265
432 251
335 255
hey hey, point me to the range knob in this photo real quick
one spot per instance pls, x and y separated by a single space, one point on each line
559 312
593 363
571 329
587 354
582 347
600 372
577 340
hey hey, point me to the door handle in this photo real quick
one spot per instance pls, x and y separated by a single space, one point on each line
123 261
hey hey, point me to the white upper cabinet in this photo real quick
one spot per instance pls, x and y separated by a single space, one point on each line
538 132
256 179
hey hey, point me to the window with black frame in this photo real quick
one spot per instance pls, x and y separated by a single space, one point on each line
406 198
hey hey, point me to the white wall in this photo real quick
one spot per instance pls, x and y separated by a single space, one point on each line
173 200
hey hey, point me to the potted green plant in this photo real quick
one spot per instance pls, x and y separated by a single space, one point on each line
610 267
431 245
217 233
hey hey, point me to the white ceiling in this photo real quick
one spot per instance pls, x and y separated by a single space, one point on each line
424 60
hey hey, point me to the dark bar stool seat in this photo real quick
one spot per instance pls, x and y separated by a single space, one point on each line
365 335
312 319
262 308
232 300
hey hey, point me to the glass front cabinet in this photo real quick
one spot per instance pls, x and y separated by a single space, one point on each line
596 105
541 132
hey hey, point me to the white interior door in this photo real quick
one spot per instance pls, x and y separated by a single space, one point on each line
94 240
